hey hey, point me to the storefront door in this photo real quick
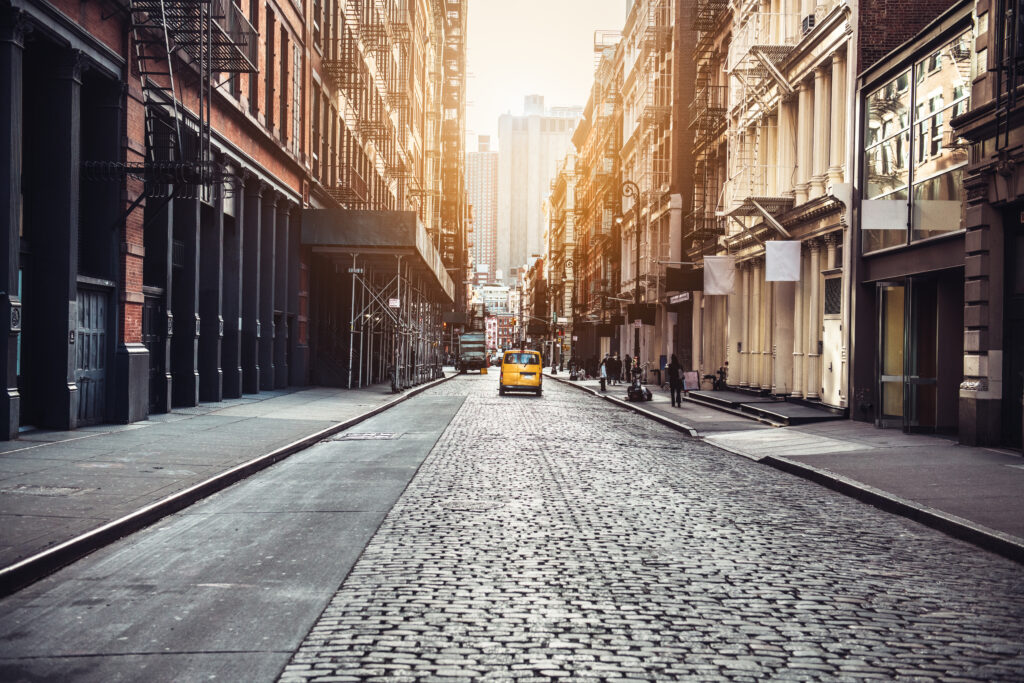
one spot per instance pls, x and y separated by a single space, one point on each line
891 347
908 354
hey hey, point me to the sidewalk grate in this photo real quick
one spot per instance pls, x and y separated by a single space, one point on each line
366 436
52 491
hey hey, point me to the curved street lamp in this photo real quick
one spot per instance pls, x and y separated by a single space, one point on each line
631 189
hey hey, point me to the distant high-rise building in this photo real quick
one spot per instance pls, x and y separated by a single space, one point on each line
482 190
529 149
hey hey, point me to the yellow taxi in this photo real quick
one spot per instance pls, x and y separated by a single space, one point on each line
520 371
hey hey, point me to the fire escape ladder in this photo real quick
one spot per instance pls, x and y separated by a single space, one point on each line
153 48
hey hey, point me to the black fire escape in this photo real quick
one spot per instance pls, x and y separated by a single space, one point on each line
707 120
202 38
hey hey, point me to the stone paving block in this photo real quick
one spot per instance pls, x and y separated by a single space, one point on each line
563 539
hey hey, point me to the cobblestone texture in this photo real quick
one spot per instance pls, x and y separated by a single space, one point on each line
561 538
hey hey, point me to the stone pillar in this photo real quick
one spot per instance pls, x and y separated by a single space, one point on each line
744 369
252 216
767 348
299 341
782 337
282 263
56 237
185 300
837 150
821 146
804 142
13 26
799 338
211 327
756 336
812 370
231 344
787 148
268 247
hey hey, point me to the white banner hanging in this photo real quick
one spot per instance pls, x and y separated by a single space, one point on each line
782 261
719 275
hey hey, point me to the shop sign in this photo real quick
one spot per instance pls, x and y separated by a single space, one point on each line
679 298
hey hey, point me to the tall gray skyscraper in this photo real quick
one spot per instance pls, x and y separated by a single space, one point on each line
529 149
482 192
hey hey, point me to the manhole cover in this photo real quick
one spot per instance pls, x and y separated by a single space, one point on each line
54 491
469 505
367 436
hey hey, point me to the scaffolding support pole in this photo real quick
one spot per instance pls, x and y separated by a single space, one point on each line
352 323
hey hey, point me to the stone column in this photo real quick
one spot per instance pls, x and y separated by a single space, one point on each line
231 344
268 246
282 262
799 338
787 148
812 371
13 27
252 216
744 369
299 341
837 149
804 142
782 337
56 237
756 334
211 274
767 348
185 304
822 144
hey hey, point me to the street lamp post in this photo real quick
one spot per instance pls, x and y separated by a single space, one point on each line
631 189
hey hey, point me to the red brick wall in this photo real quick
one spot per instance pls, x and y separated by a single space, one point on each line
887 24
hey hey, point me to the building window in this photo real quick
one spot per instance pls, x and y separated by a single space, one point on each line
913 167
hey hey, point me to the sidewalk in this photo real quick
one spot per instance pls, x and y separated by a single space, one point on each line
65 494
976 494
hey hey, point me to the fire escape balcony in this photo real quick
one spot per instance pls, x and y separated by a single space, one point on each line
350 186
232 43
708 113
703 224
707 14
761 41
343 64
751 191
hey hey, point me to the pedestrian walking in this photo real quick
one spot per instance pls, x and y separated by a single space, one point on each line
627 369
604 372
615 368
675 381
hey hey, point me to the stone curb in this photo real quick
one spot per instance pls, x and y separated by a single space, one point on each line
997 542
678 426
21 574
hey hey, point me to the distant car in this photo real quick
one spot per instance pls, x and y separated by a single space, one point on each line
496 360
520 371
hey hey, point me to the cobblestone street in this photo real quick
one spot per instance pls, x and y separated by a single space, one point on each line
560 537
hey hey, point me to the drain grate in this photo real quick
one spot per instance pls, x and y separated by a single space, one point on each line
367 436
52 491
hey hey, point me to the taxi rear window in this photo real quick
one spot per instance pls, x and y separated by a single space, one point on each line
522 358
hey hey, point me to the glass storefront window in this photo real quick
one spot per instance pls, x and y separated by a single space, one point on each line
937 205
921 154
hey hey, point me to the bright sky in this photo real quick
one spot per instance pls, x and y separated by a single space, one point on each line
524 47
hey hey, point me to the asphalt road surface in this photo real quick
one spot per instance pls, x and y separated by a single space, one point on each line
522 538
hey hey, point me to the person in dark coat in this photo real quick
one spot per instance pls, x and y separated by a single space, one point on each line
675 381
627 369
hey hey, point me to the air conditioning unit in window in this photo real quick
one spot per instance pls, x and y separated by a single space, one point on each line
807 24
